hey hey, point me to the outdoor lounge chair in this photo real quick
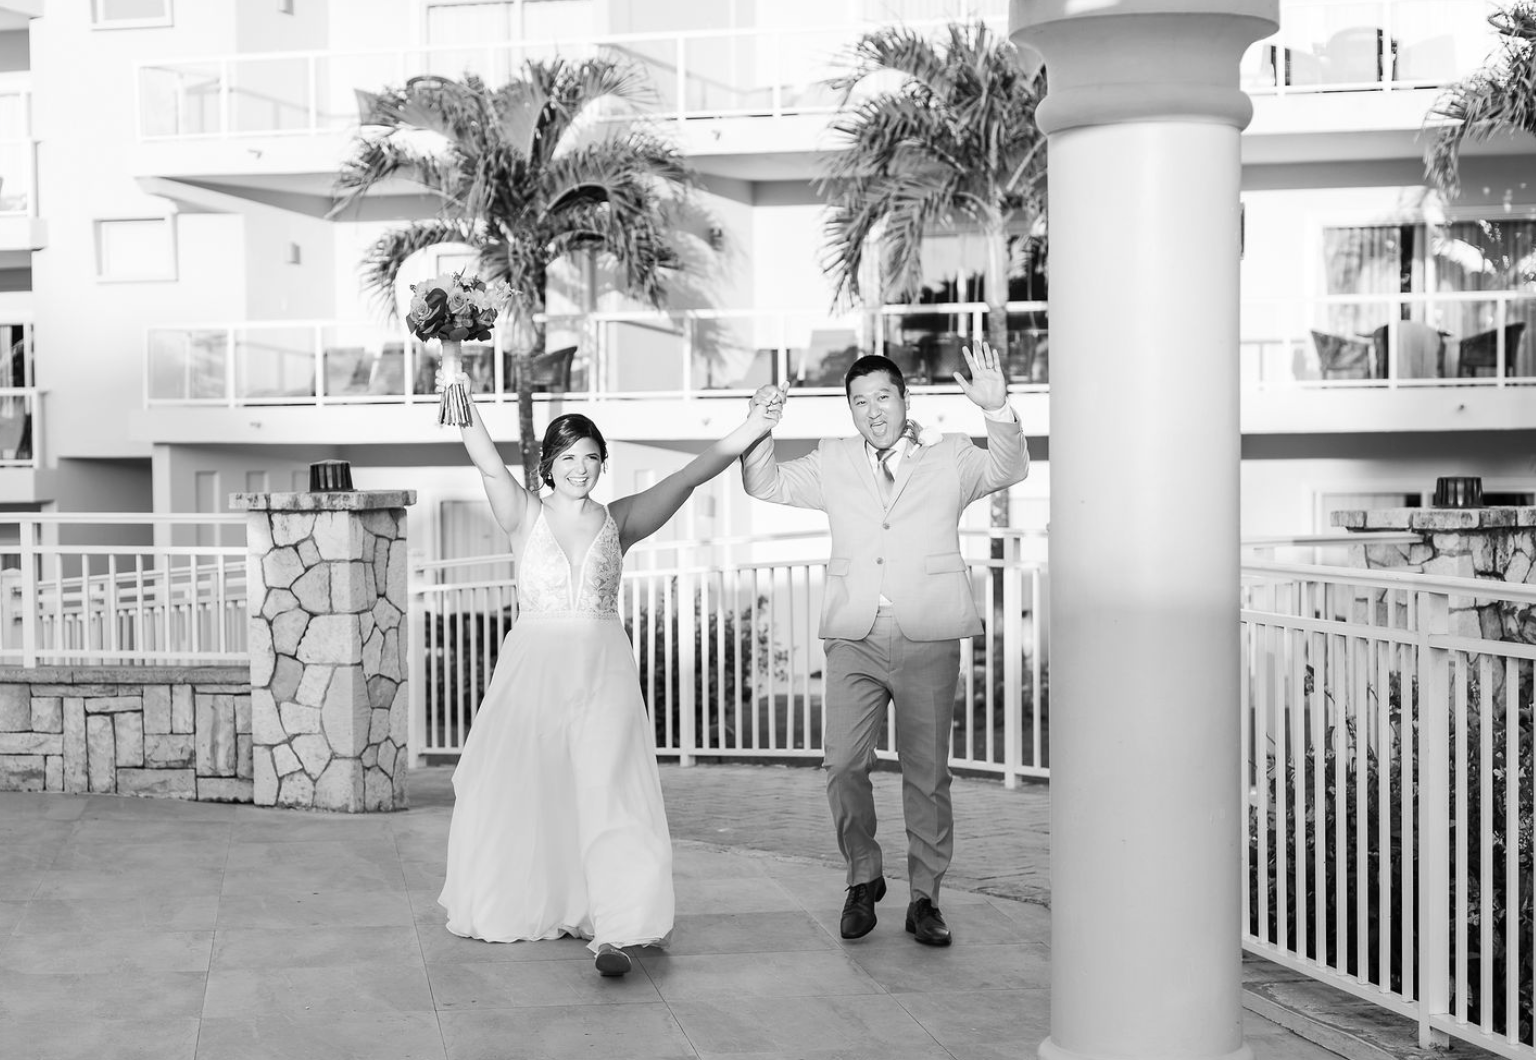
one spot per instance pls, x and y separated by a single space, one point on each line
1479 354
1341 357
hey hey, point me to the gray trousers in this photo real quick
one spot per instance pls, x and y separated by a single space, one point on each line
921 677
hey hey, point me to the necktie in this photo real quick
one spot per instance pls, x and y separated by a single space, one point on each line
887 477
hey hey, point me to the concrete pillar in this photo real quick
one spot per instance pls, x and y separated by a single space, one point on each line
1143 117
329 708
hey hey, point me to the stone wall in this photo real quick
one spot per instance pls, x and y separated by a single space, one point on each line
1494 544
328 599
174 732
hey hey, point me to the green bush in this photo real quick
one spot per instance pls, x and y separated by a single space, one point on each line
1305 902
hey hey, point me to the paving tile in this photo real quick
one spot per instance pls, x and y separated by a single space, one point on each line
147 883
27 854
441 946
423 846
314 947
333 908
501 985
1003 1018
100 995
708 977
123 953
747 932
744 894
872 1027
265 868
923 969
338 989
11 913
692 860
135 913
376 1036
295 826
131 808
424 875
143 831
19 884
642 1031
95 1039
37 806
114 856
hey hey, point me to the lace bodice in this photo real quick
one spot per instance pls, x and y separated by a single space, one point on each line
548 582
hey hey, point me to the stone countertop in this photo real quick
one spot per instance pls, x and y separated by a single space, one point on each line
1436 520
340 501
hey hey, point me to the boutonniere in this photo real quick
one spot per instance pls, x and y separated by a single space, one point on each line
921 436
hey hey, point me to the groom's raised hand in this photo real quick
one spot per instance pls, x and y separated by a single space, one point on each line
987 387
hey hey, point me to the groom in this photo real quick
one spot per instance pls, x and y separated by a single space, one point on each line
897 602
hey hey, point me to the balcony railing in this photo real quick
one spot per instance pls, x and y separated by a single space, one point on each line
696 74
1388 45
1447 338
643 354
18 426
1454 338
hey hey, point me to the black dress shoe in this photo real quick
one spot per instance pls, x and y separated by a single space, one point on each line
611 961
926 923
859 909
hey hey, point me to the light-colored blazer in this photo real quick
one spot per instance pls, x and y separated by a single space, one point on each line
909 551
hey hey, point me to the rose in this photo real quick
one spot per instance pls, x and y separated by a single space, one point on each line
457 301
435 317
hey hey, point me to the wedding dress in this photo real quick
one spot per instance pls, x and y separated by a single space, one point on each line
558 824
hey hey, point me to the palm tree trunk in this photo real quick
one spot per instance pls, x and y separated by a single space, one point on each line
527 443
997 292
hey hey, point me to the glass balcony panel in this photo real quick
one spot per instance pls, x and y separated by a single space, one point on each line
727 355
642 356
15 176
187 364
1333 44
805 59
180 99
275 365
657 62
338 77
269 95
731 74
821 349
1438 41
1481 334
15 120
16 419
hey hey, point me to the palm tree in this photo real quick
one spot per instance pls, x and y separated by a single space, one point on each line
525 174
955 140
1499 99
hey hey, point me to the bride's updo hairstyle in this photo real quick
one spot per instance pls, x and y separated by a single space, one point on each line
562 433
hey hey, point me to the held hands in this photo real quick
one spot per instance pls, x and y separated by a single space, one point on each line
768 406
987 387
442 384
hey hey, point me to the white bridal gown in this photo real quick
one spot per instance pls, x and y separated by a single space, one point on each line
558 824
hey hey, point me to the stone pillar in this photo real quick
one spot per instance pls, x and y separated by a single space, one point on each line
1143 118
1497 544
329 710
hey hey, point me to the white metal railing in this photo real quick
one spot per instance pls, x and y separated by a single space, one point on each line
1368 45
133 588
1388 756
767 72
1444 338
729 660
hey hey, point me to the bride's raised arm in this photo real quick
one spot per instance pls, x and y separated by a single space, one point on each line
642 514
510 502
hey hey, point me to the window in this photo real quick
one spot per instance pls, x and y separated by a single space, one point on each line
135 249
130 14
476 21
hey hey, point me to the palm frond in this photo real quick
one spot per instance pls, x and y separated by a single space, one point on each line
1497 100
383 158
384 260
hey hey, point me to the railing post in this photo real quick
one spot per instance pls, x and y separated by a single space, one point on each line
687 672
31 607
314 97
1013 647
1434 832
682 84
224 97
416 658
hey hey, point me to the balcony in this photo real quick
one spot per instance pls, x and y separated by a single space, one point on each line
20 228
1447 361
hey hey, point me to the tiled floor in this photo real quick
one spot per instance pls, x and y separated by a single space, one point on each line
138 929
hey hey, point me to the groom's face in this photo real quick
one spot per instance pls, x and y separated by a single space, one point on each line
879 409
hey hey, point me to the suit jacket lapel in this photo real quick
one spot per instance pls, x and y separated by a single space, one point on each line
862 470
909 460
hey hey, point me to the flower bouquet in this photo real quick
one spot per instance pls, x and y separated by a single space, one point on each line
450 308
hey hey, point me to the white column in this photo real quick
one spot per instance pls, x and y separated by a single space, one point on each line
1144 115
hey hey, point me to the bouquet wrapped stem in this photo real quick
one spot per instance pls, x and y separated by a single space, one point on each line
453 404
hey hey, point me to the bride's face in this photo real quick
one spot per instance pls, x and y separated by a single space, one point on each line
577 468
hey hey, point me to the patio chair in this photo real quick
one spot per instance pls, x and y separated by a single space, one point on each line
941 357
1341 357
1479 354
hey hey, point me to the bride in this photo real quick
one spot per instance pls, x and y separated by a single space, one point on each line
558 824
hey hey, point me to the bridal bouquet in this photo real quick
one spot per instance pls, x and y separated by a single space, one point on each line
450 308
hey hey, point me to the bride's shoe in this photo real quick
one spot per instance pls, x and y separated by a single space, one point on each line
611 961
